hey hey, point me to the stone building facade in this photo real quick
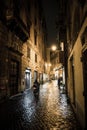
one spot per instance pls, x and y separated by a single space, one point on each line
22 45
72 30
77 58
33 59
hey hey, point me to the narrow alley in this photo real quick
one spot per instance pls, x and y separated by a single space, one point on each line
50 112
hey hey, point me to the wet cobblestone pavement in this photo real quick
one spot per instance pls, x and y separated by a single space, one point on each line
50 112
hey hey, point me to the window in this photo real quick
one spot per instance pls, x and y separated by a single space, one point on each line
28 52
35 58
83 37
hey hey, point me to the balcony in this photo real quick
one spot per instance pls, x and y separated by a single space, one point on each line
16 25
16 16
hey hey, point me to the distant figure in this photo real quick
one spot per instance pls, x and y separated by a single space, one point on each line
36 85
59 80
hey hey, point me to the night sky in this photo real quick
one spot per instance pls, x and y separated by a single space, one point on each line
50 12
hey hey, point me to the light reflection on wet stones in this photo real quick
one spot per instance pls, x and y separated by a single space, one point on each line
50 111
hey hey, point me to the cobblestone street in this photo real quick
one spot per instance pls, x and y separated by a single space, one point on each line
50 112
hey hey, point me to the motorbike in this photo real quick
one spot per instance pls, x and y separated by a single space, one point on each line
36 90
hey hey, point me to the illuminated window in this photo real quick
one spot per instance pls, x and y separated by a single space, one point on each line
62 46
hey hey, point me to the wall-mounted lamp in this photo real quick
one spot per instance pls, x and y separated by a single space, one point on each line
54 48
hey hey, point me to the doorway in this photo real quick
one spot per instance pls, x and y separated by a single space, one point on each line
27 79
13 78
84 59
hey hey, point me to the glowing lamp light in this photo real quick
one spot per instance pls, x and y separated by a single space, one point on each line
54 47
